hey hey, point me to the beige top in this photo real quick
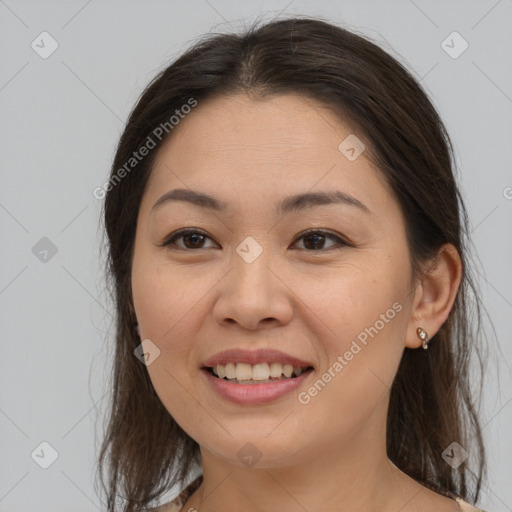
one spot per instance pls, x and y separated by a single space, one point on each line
177 503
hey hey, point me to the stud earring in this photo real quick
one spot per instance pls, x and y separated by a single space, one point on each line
423 336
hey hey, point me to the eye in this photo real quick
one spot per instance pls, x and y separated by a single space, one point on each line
192 238
195 239
315 240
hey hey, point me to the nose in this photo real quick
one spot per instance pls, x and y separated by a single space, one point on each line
254 296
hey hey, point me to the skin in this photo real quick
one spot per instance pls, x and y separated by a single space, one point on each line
192 303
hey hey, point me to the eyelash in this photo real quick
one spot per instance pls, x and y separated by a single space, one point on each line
170 241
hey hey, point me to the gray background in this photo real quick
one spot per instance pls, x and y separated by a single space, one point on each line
61 119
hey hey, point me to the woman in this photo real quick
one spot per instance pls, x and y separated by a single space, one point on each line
286 247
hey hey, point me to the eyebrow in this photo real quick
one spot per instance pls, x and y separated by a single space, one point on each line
293 203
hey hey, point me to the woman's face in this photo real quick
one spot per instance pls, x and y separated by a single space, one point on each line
338 299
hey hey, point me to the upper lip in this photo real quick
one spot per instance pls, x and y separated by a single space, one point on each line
254 357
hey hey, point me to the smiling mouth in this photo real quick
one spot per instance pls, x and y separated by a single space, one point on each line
262 373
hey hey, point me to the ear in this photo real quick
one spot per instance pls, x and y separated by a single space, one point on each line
435 294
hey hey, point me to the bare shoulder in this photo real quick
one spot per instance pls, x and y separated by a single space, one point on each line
172 506
178 503
464 506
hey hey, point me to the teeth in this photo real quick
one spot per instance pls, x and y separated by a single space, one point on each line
229 370
276 369
221 372
262 372
243 371
288 370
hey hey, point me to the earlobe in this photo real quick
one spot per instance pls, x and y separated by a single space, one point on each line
435 296
423 336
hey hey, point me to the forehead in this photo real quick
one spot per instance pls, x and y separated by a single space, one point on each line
236 126
247 148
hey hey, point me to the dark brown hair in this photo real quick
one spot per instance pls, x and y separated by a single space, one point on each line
144 452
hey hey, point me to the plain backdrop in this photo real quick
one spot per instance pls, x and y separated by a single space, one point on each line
61 117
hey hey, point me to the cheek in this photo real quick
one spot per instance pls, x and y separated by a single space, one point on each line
164 296
168 302
358 316
359 324
349 299
165 304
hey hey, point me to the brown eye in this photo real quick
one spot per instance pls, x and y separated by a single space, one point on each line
192 239
315 240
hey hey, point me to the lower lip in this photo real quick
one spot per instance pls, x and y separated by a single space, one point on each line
254 393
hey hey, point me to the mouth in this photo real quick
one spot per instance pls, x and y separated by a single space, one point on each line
260 373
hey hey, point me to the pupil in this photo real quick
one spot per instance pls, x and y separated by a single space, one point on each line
196 238
319 239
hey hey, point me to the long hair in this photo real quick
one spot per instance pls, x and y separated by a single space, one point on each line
144 452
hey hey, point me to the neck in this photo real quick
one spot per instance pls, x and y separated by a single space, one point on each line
353 475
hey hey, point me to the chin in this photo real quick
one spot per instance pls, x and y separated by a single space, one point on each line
258 451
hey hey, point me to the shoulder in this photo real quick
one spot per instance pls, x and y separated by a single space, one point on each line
177 503
464 506
172 506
